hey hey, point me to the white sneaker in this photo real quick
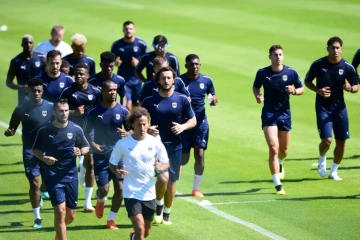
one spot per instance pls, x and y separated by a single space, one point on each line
335 176
322 166
82 176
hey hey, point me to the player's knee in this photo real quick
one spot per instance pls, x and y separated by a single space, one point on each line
274 150
34 184
327 141
162 179
70 216
89 163
185 158
103 190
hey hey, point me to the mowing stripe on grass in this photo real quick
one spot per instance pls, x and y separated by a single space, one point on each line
232 218
6 125
244 202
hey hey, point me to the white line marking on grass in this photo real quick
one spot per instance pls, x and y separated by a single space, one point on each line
315 164
244 202
232 218
6 125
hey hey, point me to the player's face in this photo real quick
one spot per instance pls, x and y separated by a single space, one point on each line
27 44
35 93
277 57
129 31
140 126
58 36
158 67
54 65
109 92
166 81
65 70
107 67
334 50
193 66
81 76
78 51
61 113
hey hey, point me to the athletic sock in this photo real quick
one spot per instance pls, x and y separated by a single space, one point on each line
36 212
276 179
81 160
112 215
197 181
159 203
334 168
88 193
167 210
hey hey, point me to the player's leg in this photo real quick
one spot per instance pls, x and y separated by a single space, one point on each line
71 198
325 126
115 201
134 210
43 191
148 209
102 179
187 145
57 198
89 182
271 137
175 157
160 186
128 94
284 140
341 132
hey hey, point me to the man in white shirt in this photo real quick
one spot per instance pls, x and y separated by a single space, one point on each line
57 34
136 158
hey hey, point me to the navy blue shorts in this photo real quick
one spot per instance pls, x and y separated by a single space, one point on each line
63 192
197 136
175 158
102 172
133 93
337 121
282 120
32 165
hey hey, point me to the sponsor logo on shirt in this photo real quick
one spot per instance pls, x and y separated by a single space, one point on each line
51 136
27 114
121 49
325 70
101 116
74 95
23 67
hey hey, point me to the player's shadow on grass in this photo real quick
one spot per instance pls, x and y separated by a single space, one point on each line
9 164
14 211
14 202
14 172
342 168
271 181
14 194
316 158
10 144
248 192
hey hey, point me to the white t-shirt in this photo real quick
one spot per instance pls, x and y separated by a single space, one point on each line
139 158
46 46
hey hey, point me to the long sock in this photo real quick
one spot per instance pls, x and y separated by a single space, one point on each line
276 179
36 212
112 215
101 200
167 210
81 160
197 181
281 161
334 168
159 203
88 194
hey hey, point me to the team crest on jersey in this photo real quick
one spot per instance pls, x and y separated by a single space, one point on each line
69 135
284 77
44 113
341 71
62 85
37 64
90 97
117 116
136 48
202 85
174 104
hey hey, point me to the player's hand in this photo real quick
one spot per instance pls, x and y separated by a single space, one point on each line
259 98
177 128
120 173
9 132
158 166
347 86
324 92
77 151
214 101
153 131
49 160
118 62
134 61
289 89
80 110
97 148
23 88
122 132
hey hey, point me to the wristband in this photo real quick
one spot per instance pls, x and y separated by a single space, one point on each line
294 91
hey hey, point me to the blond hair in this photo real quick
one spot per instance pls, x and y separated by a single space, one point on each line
78 39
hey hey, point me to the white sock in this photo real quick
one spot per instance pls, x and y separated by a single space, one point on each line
197 181
88 194
81 160
36 212
276 179
322 158
101 200
159 203
334 168
133 237
281 160
167 210
112 215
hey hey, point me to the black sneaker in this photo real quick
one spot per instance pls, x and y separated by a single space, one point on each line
37 223
166 219
159 209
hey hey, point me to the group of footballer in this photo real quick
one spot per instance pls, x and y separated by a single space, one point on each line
69 111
